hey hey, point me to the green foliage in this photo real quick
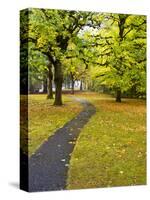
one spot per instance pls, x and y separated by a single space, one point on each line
121 47
37 65
106 49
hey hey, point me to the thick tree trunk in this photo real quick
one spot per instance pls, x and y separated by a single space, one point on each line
81 87
49 85
118 95
58 79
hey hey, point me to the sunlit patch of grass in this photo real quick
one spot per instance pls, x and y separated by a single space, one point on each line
44 119
111 148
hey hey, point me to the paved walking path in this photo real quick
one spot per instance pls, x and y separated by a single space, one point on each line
48 167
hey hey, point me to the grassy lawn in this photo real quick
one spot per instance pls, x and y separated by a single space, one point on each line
44 119
111 148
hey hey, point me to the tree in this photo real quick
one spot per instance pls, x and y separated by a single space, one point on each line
53 29
111 46
49 84
120 46
75 69
40 69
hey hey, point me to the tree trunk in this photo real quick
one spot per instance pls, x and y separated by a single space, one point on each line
81 88
45 85
49 85
72 83
72 87
118 95
58 79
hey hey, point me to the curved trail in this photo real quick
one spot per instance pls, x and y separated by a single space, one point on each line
48 167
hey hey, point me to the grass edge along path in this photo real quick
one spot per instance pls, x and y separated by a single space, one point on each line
44 119
111 148
48 167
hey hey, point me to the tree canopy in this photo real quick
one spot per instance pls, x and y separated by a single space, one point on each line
102 49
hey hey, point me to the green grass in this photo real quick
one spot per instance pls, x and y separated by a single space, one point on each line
111 148
44 119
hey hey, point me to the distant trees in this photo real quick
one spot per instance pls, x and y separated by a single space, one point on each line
76 70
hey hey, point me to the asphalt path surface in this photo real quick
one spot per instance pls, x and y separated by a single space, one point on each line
48 166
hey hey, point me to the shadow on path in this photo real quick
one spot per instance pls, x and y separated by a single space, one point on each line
49 165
